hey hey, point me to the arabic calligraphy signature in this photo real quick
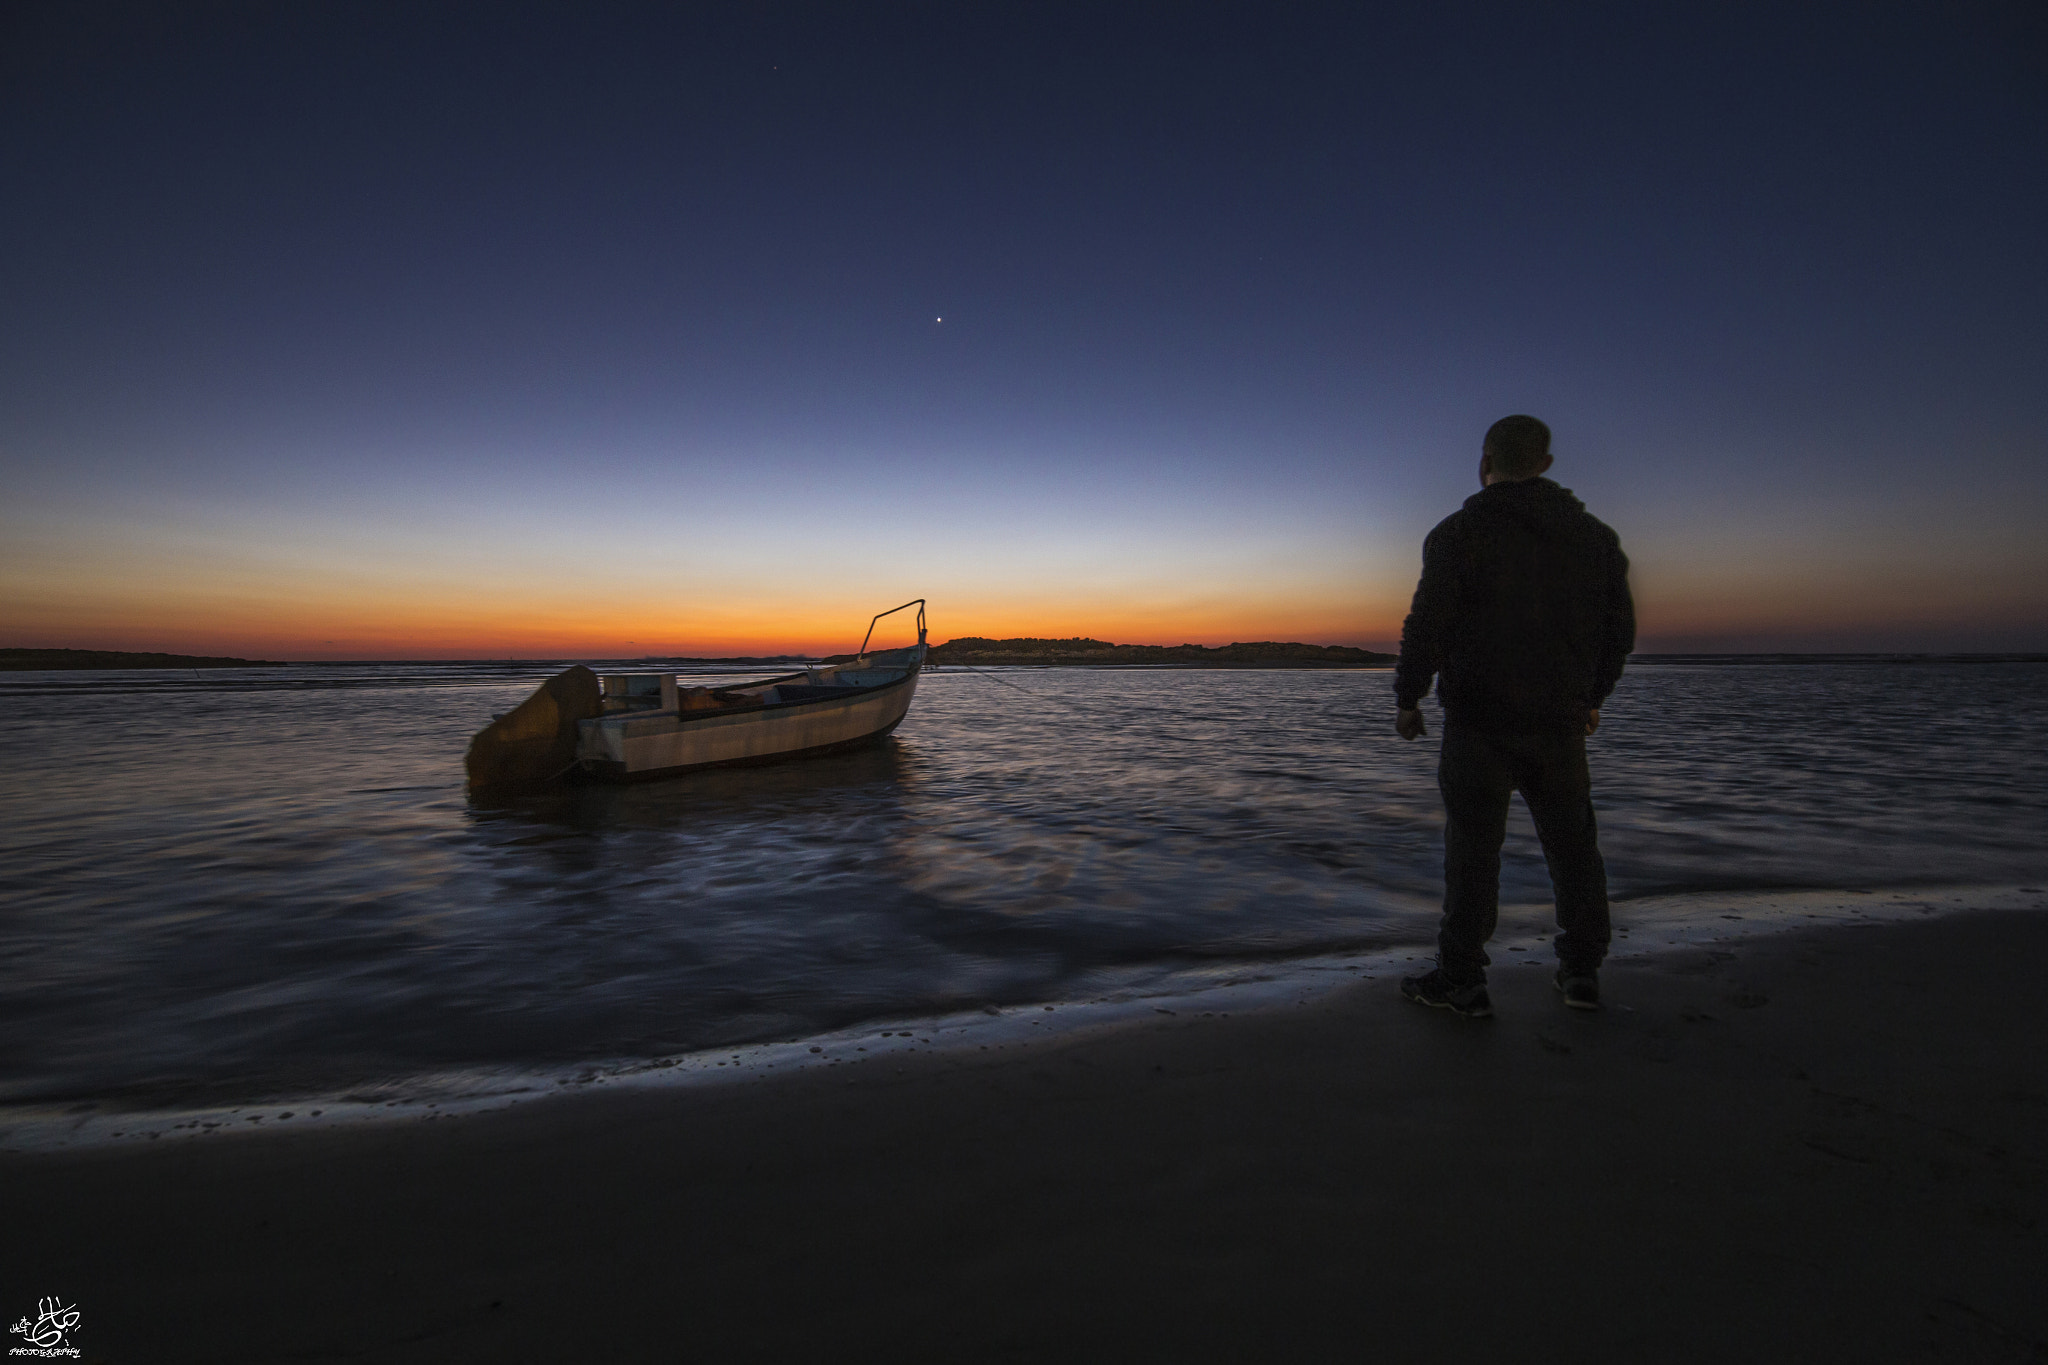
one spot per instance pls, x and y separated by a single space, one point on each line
53 1320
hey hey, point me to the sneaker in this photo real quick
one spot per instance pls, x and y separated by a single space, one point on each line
1441 992
1581 990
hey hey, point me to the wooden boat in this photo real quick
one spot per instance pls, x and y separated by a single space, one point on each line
633 727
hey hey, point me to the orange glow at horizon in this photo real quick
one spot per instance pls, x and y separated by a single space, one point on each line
204 598
330 626
305 622
428 634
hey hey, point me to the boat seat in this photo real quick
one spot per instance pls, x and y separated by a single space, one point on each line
709 699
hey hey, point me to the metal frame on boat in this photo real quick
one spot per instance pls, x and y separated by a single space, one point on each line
653 727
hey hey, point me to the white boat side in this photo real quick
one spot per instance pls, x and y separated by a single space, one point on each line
640 745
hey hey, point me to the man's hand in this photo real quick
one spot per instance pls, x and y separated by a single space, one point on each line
1408 724
1592 720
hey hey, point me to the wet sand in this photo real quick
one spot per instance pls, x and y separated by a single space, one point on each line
1826 1146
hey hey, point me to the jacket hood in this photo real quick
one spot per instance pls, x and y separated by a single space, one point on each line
1537 503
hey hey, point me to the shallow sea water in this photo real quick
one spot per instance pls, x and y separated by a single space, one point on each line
270 882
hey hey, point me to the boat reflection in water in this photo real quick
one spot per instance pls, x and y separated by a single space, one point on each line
871 773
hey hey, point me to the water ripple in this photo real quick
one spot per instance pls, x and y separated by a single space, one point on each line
258 881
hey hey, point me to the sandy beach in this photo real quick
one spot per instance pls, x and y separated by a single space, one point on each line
1818 1146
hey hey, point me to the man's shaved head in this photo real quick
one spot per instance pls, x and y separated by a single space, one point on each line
1517 447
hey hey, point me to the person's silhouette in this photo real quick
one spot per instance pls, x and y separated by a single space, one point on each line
1523 617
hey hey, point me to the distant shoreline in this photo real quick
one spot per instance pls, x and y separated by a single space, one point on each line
25 660
1099 654
987 654
1079 652
1387 661
1899 658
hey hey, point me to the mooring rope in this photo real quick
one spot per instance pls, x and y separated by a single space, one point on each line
1046 696
1004 681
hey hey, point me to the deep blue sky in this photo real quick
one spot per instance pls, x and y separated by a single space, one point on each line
462 329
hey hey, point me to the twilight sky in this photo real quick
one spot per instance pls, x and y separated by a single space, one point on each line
440 330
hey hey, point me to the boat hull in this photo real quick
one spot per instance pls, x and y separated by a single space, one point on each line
643 748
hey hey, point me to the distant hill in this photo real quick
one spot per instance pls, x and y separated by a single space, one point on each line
973 649
19 659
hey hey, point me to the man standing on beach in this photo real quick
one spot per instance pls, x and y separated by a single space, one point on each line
1523 617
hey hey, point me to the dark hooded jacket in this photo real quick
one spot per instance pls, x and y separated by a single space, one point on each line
1523 614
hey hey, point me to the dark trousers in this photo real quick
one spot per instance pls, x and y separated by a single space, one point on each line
1477 773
